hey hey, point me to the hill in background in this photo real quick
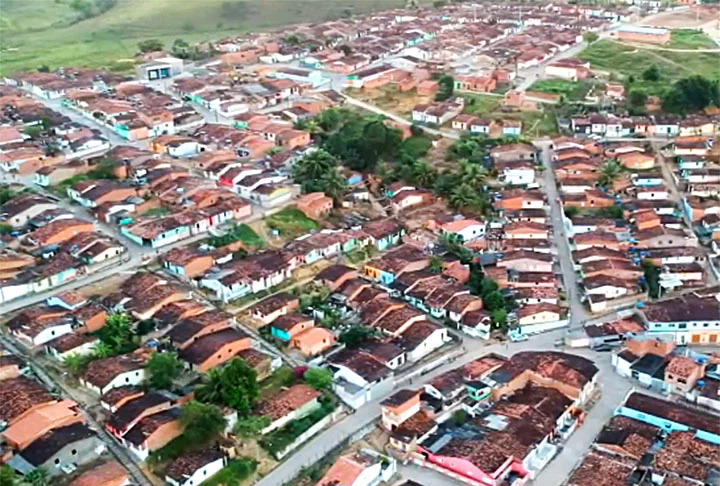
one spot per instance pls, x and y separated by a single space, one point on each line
98 33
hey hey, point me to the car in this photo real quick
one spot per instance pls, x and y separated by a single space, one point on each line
603 348
516 338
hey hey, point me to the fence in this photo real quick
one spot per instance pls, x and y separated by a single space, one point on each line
302 438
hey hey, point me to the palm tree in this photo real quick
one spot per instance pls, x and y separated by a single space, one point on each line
423 174
609 172
73 363
471 174
462 196
333 184
103 350
210 390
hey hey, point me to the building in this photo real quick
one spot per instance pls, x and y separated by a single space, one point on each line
643 35
363 468
192 468
289 404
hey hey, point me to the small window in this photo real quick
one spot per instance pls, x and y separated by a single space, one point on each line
73 452
57 462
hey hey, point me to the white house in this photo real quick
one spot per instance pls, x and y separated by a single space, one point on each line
422 338
464 229
193 468
37 333
105 374
359 377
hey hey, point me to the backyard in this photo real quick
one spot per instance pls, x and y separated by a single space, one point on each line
691 39
568 90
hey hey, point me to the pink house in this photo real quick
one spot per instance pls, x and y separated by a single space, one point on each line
471 469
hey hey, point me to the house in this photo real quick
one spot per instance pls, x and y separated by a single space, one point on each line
72 344
362 468
191 328
315 205
692 318
60 449
192 468
516 172
40 421
104 374
39 332
572 69
399 407
463 230
359 377
270 308
636 161
334 276
187 262
422 338
517 199
662 237
19 210
289 404
513 152
526 261
313 341
384 233
287 326
525 231
401 260
682 373
538 314
214 349
153 432
110 473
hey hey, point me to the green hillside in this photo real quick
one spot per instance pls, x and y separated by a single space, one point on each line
58 32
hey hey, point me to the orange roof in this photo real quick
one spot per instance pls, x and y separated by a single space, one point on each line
459 225
108 474
343 473
10 134
40 421
314 336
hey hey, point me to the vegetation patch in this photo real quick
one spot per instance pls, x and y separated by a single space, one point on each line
569 90
235 472
690 39
291 222
239 232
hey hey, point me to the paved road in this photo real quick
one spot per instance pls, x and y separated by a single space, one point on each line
578 312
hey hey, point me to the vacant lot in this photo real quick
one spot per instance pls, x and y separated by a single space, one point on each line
50 32
625 61
570 90
291 222
691 39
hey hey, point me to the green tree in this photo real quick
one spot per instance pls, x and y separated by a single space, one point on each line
446 87
210 389
609 171
117 333
499 318
202 422
590 37
180 48
163 368
75 363
637 98
572 211
422 174
493 301
692 94
250 427
651 74
318 378
355 336
488 286
102 350
652 278
239 387
7 476
150 45
463 196
6 194
36 477
436 265
474 175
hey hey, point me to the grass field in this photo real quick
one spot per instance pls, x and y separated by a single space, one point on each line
690 39
291 222
37 32
480 105
625 61
571 90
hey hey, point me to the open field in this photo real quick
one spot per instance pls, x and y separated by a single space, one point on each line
624 61
685 19
49 32
690 39
570 90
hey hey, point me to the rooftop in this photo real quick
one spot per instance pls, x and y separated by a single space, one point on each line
286 401
183 467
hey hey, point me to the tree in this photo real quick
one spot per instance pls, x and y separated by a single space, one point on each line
488 286
422 174
572 211
102 350
472 174
317 172
493 301
180 48
150 45
446 87
75 363
250 427
202 422
637 98
163 368
499 318
462 196
7 476
609 171
318 378
239 387
651 74
590 37
692 94
436 265
356 336
36 477
117 333
210 389
652 278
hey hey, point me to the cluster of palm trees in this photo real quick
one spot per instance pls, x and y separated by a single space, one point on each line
609 172
36 477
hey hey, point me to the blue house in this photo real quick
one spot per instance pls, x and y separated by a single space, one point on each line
670 417
290 325
385 232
